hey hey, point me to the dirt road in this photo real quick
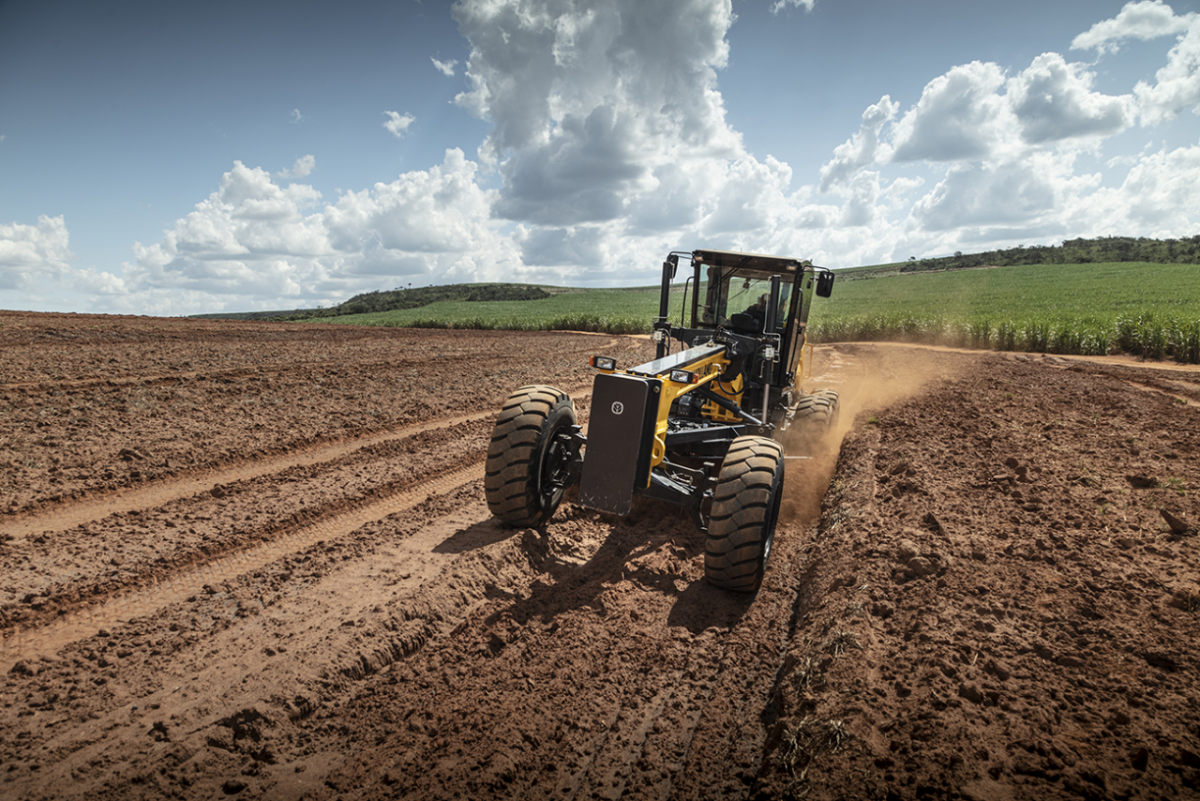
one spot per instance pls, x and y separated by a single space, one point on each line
254 560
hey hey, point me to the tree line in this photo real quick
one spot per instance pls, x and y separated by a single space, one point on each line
1072 251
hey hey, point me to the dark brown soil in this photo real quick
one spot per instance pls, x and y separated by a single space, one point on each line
253 560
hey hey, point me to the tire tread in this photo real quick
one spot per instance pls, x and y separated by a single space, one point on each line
741 524
510 468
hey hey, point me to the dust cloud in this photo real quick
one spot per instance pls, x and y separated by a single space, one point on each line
867 378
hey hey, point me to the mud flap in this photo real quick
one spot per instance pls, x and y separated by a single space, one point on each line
620 441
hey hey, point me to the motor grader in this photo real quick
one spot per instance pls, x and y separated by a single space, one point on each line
705 425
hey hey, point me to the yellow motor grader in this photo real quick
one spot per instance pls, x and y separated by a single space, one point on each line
704 425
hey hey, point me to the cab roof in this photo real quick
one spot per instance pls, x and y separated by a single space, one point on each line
748 261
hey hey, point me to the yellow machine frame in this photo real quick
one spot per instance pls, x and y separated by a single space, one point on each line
703 371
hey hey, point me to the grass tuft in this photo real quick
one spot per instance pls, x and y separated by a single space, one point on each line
840 641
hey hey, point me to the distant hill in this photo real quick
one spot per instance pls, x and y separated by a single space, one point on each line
398 299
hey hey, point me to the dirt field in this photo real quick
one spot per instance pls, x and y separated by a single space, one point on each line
252 560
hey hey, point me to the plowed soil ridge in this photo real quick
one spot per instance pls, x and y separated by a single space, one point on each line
34 643
1004 610
132 542
77 513
255 394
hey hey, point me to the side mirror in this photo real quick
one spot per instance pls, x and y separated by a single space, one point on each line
824 284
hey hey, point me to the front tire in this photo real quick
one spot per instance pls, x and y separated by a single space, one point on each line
527 464
745 510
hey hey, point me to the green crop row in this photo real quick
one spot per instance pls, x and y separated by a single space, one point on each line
1146 335
1149 310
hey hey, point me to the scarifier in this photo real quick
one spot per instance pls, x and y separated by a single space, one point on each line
705 427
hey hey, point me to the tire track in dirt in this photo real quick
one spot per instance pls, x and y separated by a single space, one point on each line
32 643
1180 399
157 494
336 614
1147 377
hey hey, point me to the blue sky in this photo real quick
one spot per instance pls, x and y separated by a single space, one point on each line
162 158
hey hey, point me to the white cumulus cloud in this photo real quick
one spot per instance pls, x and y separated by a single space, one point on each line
1003 152
398 123
251 237
860 150
256 244
961 116
750 198
1158 198
31 253
1053 100
779 5
1176 86
608 122
1147 19
445 67
1019 193
302 168
426 219
974 113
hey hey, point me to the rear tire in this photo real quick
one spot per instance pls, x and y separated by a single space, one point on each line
816 416
745 510
527 467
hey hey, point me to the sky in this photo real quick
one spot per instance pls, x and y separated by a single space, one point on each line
181 158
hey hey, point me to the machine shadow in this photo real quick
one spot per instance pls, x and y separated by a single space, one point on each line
476 536
702 606
566 585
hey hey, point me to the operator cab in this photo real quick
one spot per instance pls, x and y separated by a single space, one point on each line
734 290
740 302
733 294
755 306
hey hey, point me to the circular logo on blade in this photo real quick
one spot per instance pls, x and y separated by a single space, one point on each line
618 407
